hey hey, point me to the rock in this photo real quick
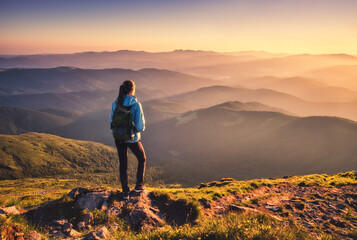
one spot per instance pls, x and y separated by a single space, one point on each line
9 211
114 211
77 192
74 233
60 222
90 201
33 235
87 218
143 219
101 233
104 206
81 225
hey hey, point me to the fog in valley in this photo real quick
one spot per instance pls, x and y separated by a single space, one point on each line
209 115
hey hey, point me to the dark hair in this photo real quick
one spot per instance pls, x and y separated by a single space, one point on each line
127 87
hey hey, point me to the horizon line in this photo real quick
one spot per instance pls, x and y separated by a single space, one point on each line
183 50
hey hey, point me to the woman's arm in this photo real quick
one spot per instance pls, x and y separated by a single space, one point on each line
138 117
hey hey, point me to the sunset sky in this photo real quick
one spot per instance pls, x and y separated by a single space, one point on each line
52 26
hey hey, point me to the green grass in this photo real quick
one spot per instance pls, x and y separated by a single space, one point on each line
37 155
31 193
229 226
217 189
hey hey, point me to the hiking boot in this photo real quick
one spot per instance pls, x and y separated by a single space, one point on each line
126 195
140 188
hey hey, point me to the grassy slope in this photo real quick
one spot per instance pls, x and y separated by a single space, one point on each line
230 226
18 120
40 155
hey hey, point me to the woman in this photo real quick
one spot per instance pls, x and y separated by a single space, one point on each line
127 101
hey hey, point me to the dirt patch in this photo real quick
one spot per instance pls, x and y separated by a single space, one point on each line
332 210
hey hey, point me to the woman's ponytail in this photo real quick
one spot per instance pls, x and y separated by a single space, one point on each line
127 87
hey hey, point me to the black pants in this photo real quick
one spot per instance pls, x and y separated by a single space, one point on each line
139 152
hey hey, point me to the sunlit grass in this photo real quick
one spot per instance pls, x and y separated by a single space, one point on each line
31 193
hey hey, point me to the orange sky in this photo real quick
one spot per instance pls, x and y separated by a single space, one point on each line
318 26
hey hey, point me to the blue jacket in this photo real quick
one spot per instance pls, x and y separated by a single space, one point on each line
137 114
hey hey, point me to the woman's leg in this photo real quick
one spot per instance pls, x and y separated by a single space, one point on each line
123 164
138 150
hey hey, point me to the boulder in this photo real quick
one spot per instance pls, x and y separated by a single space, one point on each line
74 233
9 211
101 233
77 192
90 201
143 219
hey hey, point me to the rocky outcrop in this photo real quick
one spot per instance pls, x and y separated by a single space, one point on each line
143 219
9 211
96 210
101 233
91 201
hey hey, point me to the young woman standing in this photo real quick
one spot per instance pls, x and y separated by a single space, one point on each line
128 102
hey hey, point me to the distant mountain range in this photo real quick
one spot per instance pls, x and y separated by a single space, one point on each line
235 140
69 79
178 59
209 96
305 88
340 75
281 66
83 101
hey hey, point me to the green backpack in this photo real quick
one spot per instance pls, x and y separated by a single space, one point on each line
123 124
